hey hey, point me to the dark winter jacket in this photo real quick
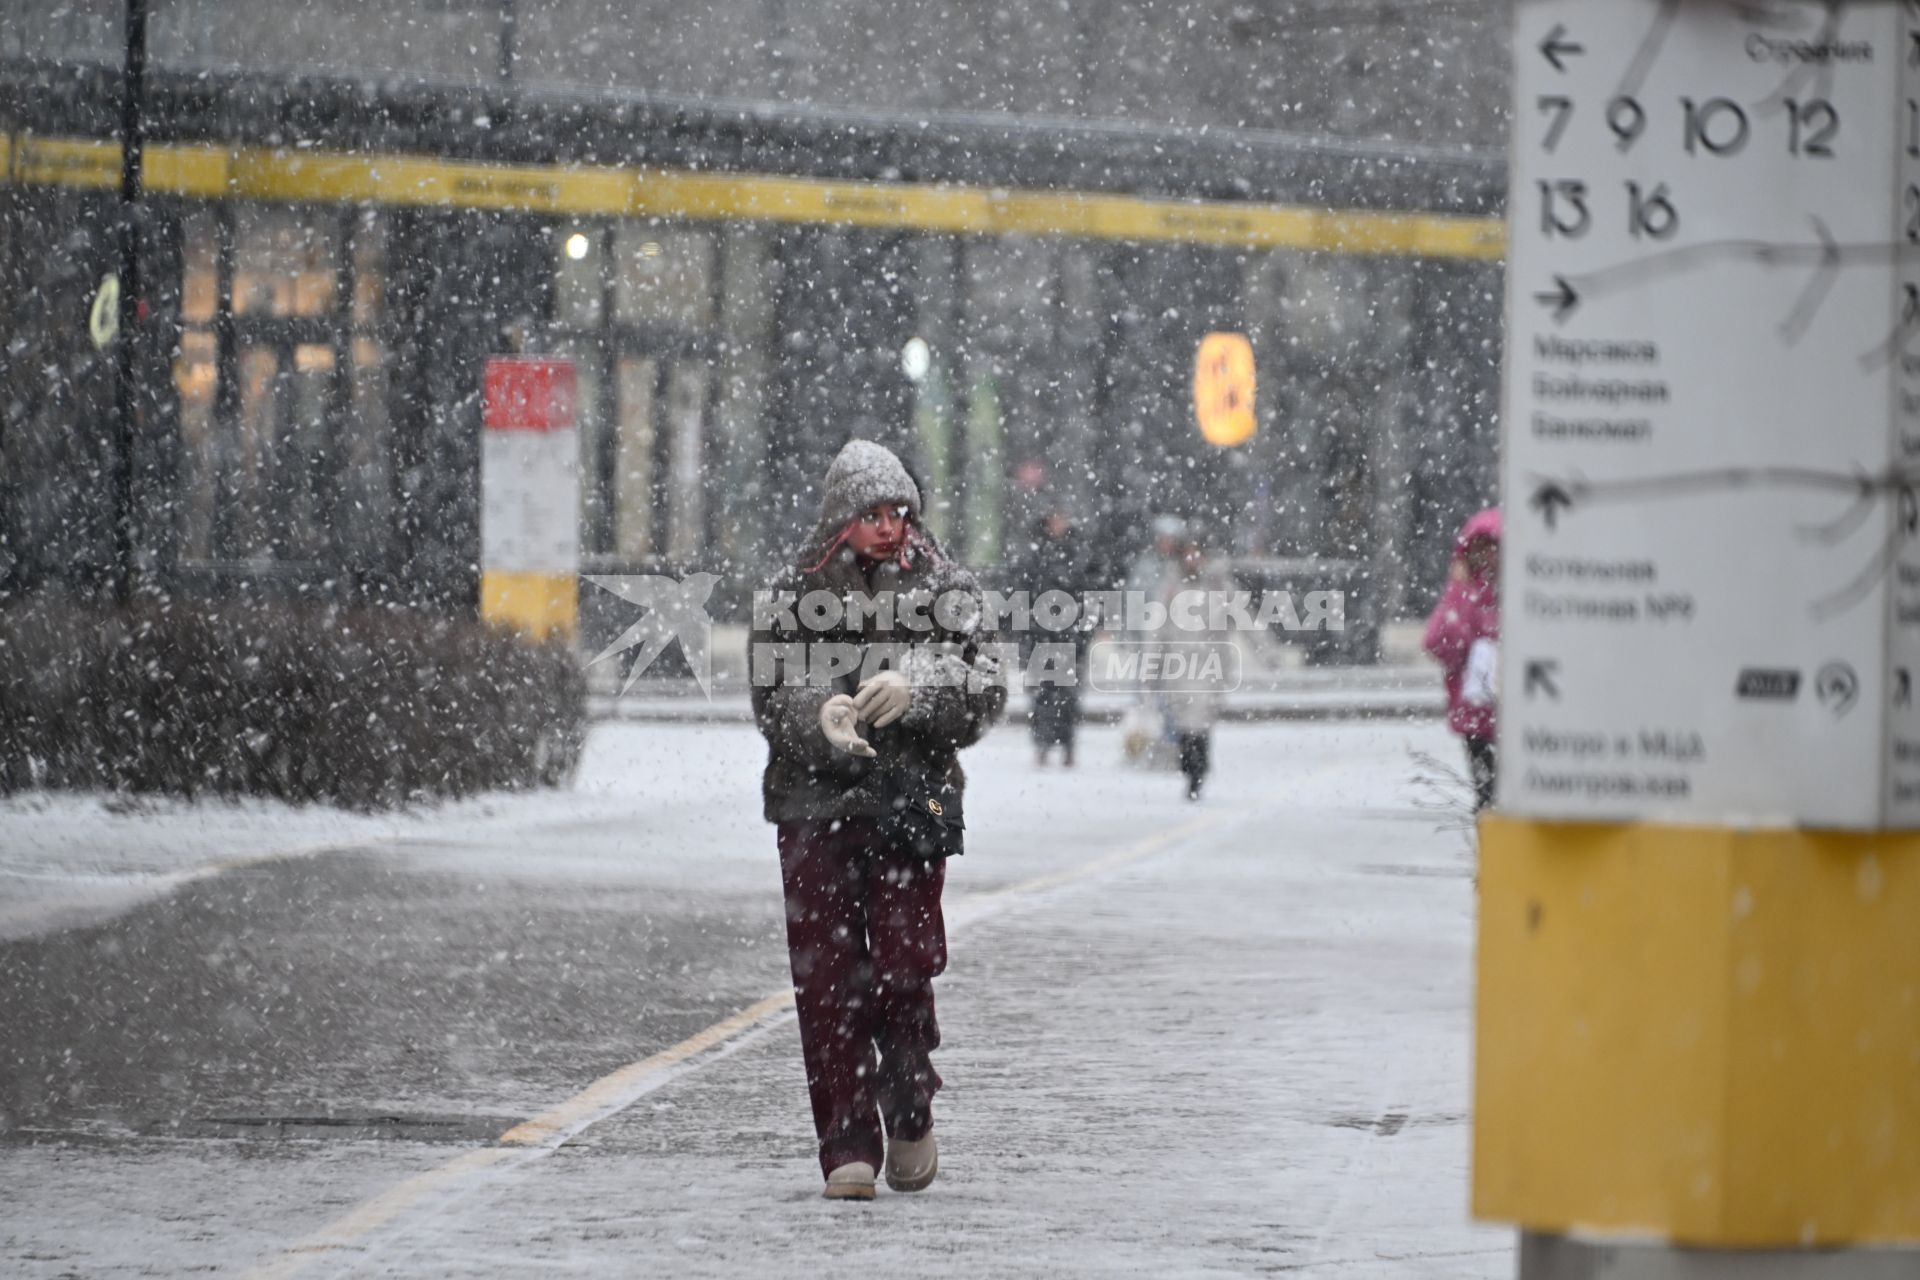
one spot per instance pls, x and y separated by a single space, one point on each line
1469 610
1051 563
957 692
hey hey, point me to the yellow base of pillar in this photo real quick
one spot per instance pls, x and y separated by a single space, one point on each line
540 604
1708 1036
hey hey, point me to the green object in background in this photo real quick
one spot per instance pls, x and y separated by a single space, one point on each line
933 425
985 478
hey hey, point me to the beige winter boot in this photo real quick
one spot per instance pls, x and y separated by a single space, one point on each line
911 1165
851 1182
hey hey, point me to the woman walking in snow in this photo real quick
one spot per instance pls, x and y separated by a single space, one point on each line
864 785
1464 636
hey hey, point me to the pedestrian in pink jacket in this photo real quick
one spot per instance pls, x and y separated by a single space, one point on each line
1464 635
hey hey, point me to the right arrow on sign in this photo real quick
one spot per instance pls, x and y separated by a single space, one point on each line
1563 298
1540 673
1556 46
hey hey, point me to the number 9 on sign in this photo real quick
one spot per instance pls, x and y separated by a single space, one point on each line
1223 389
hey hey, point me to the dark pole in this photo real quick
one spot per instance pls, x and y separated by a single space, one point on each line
509 33
132 155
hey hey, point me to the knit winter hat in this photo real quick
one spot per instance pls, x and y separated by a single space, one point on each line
865 475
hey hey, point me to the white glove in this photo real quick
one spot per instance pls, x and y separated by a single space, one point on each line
837 722
883 699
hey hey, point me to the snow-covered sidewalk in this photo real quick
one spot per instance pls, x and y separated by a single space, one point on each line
1246 1054
1223 1039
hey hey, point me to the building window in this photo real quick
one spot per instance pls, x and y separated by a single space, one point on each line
196 380
638 311
286 263
282 381
366 509
663 277
579 290
633 476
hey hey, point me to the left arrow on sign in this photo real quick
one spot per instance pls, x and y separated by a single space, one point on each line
1556 46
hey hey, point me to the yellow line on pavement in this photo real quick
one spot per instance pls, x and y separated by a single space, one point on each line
613 1093
378 1211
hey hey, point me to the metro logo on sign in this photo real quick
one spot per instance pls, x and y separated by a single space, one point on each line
1764 683
529 393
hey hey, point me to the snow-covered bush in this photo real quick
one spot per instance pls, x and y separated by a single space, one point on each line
359 708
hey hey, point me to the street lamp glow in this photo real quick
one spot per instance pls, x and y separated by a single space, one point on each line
577 246
916 358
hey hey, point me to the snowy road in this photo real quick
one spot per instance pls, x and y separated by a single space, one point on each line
1228 1039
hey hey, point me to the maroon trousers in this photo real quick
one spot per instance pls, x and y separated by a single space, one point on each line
866 939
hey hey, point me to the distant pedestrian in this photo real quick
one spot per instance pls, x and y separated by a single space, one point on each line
1147 734
1191 698
864 784
1055 559
1464 635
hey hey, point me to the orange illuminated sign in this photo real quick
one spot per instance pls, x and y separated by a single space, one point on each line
1223 389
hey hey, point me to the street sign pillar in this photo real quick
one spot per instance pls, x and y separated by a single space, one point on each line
530 496
1698 1024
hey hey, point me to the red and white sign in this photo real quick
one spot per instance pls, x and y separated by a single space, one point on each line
530 393
530 467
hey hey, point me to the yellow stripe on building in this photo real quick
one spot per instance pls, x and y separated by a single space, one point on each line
202 172
302 176
185 170
65 162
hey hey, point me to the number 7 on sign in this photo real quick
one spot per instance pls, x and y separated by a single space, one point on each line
1561 109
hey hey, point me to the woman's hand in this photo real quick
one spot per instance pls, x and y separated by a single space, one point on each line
884 698
839 722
